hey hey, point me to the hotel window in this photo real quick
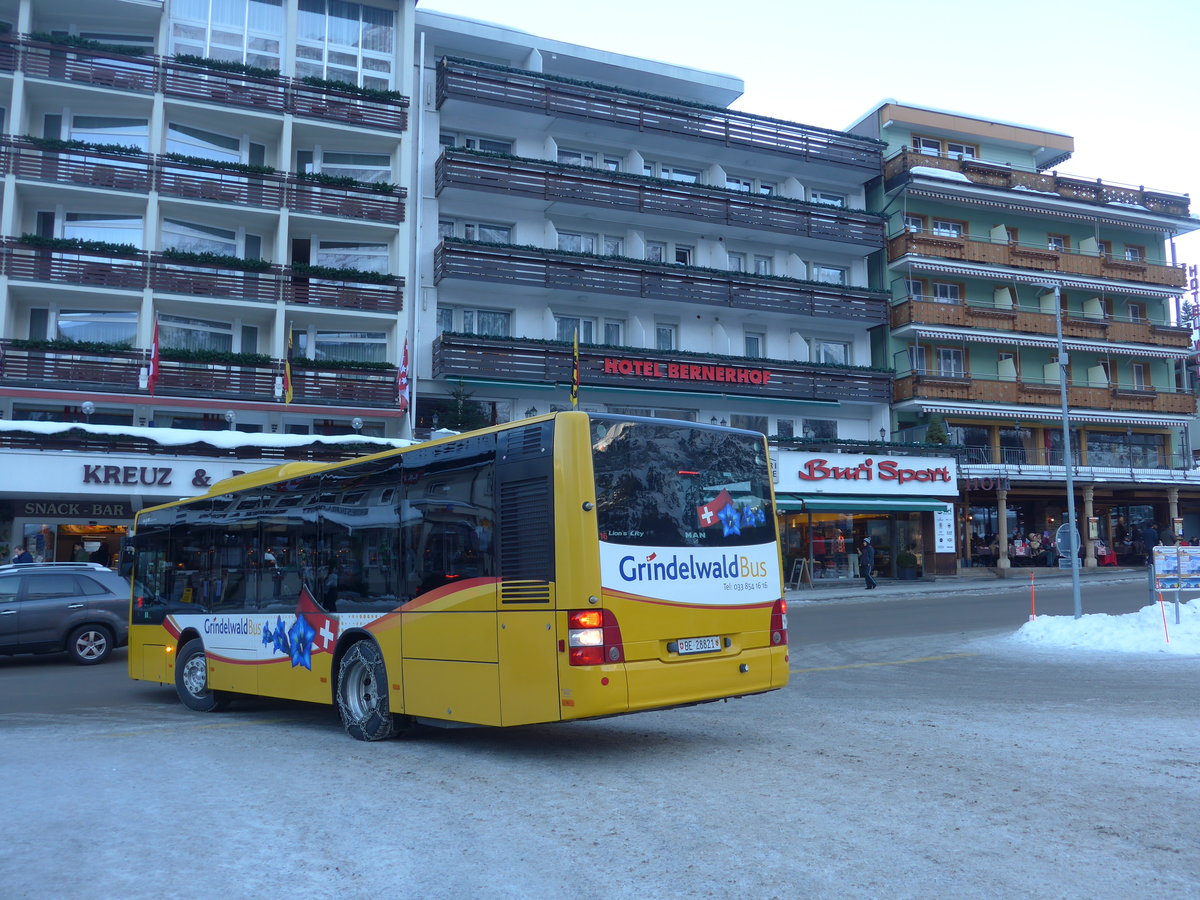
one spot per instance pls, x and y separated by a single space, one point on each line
915 288
474 142
1134 253
763 265
1140 381
229 30
748 185
188 141
928 146
576 243
684 255
828 198
113 229
950 362
180 333
351 346
670 172
372 168
1136 312
353 255
665 251
656 251
955 148
591 330
829 274
822 429
589 159
487 232
342 41
834 353
914 224
949 228
1058 242
483 322
785 428
947 292
103 326
105 130
916 360
749 423
195 238
737 262
666 337
1105 248
755 342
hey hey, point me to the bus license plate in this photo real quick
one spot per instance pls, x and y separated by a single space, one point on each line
699 645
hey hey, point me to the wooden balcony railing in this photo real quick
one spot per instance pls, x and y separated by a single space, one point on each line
962 314
548 95
121 373
539 362
147 74
533 268
1023 256
1003 175
213 183
973 389
165 275
554 183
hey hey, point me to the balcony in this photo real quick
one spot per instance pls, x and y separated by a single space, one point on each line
564 98
527 268
120 373
975 389
1003 175
84 168
166 275
555 183
308 196
186 181
543 362
963 314
1026 256
148 74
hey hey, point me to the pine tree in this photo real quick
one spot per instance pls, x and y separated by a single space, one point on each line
936 432
462 413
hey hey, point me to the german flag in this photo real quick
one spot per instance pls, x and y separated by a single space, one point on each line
575 371
287 372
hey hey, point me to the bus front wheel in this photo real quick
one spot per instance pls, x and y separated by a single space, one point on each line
362 695
191 680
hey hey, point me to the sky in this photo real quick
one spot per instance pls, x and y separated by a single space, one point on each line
1121 79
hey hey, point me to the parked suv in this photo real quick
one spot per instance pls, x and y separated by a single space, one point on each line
82 608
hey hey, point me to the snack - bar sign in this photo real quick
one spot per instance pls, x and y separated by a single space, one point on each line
678 371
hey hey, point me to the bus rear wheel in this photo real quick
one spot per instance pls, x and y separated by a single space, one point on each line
362 695
191 680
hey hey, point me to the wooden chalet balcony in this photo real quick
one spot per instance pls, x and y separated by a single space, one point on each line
960 314
971 389
121 372
529 268
548 95
1024 256
541 362
555 183
164 275
148 74
1002 175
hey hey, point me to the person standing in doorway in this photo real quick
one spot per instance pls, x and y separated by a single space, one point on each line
866 563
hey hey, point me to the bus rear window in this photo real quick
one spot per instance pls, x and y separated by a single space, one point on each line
677 484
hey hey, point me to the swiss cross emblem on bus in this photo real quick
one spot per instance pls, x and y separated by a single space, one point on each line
311 632
710 513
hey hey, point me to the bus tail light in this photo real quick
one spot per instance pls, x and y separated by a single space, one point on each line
593 638
779 623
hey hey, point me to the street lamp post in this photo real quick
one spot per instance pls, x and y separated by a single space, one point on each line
1063 363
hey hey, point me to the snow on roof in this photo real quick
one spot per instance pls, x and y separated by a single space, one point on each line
177 437
934 172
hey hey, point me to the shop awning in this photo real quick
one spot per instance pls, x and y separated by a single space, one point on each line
802 503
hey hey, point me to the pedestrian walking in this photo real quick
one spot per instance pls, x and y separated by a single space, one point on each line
866 563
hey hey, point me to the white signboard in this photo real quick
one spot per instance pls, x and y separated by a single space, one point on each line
874 475
944 531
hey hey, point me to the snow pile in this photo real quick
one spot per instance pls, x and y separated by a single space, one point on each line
1139 632
934 172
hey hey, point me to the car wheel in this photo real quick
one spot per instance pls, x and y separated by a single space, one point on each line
90 644
362 695
191 680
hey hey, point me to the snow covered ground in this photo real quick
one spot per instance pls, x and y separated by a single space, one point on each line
1062 761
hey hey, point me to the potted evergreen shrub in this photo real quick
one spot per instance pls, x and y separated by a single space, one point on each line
906 565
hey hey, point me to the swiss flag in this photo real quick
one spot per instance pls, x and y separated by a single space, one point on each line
708 512
326 628
402 380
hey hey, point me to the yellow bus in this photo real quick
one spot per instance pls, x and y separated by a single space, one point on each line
568 566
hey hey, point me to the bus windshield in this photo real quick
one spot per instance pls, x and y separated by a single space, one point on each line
663 483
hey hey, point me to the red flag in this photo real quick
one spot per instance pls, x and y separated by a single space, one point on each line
152 371
402 380
325 638
708 512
